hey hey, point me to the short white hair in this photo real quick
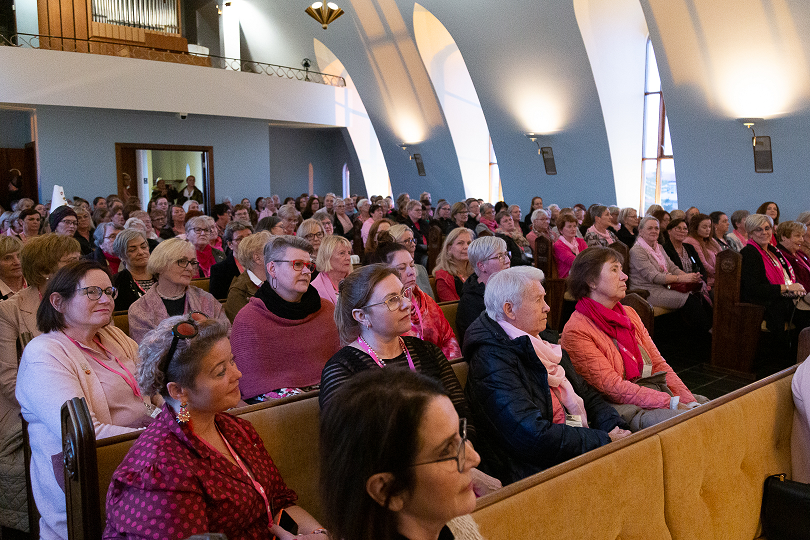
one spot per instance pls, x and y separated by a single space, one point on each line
509 285
483 248
540 211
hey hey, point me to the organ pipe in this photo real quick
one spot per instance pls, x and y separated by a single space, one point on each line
160 15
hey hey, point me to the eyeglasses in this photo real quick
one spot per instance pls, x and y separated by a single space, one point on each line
312 236
461 457
70 222
766 228
408 241
94 293
183 263
503 257
299 264
395 302
200 232
183 330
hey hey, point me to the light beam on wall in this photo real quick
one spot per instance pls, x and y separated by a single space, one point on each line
540 109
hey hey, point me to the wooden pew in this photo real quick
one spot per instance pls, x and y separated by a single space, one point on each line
121 321
643 308
435 239
433 287
357 244
449 309
202 283
553 284
736 326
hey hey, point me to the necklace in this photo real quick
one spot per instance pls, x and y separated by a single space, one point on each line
178 297
376 357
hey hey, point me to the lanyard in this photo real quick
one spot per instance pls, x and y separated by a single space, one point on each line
127 375
365 346
420 331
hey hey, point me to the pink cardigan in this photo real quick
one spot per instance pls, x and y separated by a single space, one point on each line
708 263
598 361
565 257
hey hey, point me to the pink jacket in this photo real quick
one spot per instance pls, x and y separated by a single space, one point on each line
565 257
598 361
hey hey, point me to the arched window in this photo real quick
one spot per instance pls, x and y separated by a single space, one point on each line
657 164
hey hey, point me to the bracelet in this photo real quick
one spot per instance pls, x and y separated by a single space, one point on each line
319 530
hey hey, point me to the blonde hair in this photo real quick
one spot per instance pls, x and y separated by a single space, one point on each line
168 252
398 231
328 247
9 244
250 246
41 254
445 261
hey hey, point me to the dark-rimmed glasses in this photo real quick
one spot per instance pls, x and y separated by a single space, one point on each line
94 293
299 264
312 236
461 456
394 302
183 263
186 329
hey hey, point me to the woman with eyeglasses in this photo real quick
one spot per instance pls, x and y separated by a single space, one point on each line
79 354
403 235
427 319
199 233
312 231
285 334
133 279
769 280
415 480
197 469
173 264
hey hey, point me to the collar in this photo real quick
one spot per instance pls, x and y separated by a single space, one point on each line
254 278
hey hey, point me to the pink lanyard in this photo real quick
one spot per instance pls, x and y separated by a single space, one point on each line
420 331
256 485
377 360
127 375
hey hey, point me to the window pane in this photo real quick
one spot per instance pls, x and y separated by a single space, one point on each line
667 139
648 168
669 192
652 102
653 80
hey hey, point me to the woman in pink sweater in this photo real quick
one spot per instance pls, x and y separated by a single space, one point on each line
568 246
612 350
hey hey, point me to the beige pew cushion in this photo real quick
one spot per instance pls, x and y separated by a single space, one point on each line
716 463
618 497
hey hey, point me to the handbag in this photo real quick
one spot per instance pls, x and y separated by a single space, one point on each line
785 509
686 287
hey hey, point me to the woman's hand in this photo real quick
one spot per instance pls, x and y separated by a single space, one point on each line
617 434
691 278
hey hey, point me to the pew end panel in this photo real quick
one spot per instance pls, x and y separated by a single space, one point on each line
554 286
435 238
449 310
643 308
81 473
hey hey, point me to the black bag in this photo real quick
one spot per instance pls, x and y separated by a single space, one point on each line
785 509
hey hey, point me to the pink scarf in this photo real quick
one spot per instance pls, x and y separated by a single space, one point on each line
617 325
550 355
605 235
490 223
574 246
657 253
773 270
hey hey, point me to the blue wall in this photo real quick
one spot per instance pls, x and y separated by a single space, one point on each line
15 130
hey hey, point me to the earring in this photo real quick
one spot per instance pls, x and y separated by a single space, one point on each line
273 282
183 416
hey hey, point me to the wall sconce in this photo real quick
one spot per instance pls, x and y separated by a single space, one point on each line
405 148
417 158
546 152
763 158
324 12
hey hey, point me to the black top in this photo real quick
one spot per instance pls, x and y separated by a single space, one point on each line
470 305
293 311
87 245
626 237
517 254
175 307
428 359
691 252
222 274
128 289
446 225
445 534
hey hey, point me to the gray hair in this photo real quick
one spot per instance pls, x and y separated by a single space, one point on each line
597 210
482 209
287 211
509 285
804 217
738 217
483 248
122 241
232 228
757 220
101 231
135 223
361 202
536 214
276 248
553 206
196 222
614 209
644 221
624 213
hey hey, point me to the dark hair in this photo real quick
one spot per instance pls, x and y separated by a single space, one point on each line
500 205
694 224
370 426
373 208
354 292
219 210
232 228
384 253
96 199
587 267
267 223
563 218
764 206
170 217
29 212
64 281
675 222
715 216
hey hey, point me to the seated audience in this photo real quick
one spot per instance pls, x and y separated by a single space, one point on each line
598 234
198 232
104 255
517 246
800 436
628 218
117 216
427 319
140 220
313 205
652 270
720 224
84 231
415 222
486 220
691 212
664 218
441 218
223 273
417 481
334 263
453 265
373 315
682 254
158 218
539 226
701 237
610 348
133 279
40 258
770 209
790 237
285 334
30 221
531 407
11 275
376 233
79 354
363 213
615 225
175 223
273 224
487 256
325 219
343 222
768 279
403 236
250 254
474 209
459 215
173 263
375 213
63 221
183 464
568 245
312 231
738 238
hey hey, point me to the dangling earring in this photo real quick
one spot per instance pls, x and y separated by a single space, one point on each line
183 416
273 282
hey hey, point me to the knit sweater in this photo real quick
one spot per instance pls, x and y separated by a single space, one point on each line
273 352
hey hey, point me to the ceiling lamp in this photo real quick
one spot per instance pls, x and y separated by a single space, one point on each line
324 12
